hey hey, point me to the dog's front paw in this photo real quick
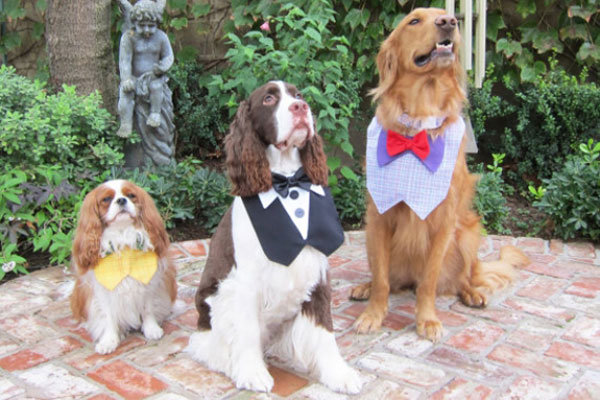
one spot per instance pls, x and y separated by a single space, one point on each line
361 292
342 378
369 321
107 343
253 377
430 329
151 330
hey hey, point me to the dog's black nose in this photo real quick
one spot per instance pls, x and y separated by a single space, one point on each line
121 201
446 22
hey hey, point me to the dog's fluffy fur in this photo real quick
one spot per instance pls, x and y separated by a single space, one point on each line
437 255
114 216
249 305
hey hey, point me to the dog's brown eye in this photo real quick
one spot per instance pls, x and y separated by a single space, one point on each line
414 21
131 196
299 96
268 100
107 199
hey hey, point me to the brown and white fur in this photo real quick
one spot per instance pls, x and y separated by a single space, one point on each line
116 215
420 76
250 306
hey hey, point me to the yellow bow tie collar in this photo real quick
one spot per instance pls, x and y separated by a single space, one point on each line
112 269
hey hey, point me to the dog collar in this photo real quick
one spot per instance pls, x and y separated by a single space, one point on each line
421 123
407 178
112 269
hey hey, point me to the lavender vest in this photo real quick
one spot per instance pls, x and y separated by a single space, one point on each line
405 177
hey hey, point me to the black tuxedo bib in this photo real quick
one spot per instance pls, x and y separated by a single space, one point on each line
278 235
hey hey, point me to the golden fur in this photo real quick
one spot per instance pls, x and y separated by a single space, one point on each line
437 255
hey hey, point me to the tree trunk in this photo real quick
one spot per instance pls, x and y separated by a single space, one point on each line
79 47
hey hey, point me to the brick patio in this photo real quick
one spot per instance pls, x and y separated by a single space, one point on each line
538 339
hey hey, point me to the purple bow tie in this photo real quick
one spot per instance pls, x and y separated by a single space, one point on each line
432 162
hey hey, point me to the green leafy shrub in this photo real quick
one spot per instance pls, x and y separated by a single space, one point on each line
489 198
200 123
526 36
552 117
536 125
183 191
38 212
54 148
486 110
37 128
39 208
349 198
571 197
299 48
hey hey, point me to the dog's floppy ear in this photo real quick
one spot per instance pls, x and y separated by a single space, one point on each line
314 160
247 164
387 65
153 222
86 244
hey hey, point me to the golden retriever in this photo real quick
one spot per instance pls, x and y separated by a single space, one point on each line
420 79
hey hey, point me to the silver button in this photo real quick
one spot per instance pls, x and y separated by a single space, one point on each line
299 213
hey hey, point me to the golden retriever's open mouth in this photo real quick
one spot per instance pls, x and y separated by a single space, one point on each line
443 49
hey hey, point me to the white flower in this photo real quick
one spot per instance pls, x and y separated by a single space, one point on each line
9 266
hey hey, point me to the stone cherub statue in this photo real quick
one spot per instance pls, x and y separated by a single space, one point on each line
145 55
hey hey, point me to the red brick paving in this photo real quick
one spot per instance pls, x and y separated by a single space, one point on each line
538 339
101 397
127 381
476 338
194 248
461 389
22 360
574 353
43 352
539 365
86 359
286 383
541 288
531 387
585 287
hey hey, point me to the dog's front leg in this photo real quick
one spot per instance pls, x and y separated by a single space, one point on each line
428 324
379 238
310 341
316 349
102 319
150 327
248 368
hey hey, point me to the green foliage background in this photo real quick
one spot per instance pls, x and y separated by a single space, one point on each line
572 195
55 148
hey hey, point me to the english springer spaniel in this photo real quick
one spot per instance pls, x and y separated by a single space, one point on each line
265 288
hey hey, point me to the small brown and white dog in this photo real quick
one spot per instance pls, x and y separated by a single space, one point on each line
421 230
125 279
265 288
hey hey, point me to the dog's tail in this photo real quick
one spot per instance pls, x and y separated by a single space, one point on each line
493 275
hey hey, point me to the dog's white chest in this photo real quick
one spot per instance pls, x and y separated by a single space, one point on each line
280 290
284 289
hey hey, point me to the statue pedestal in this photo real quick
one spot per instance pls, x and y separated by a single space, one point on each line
134 155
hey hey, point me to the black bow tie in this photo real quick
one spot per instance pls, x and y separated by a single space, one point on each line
282 184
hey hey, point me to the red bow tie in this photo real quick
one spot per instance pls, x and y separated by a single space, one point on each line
397 143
